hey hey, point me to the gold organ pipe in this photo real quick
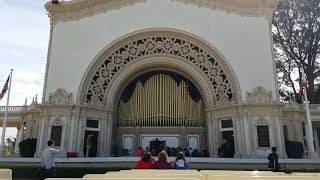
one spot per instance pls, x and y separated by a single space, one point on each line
140 101
165 99
171 97
161 102
147 99
154 90
162 98
135 105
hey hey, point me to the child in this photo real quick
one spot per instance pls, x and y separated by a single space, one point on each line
181 162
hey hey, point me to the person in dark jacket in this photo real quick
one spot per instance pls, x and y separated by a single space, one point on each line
162 163
181 162
273 160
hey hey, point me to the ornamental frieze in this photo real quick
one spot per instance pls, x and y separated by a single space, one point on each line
158 44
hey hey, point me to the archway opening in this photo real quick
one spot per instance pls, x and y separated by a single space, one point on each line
168 110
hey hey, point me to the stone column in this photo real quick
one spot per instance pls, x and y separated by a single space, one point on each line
71 131
246 133
316 139
210 134
80 133
42 135
237 136
280 137
215 134
183 137
18 140
108 134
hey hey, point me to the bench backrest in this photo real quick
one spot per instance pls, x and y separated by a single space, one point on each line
5 174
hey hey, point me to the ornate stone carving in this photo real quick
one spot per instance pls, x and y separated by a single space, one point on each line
241 7
57 122
77 9
60 97
259 95
158 44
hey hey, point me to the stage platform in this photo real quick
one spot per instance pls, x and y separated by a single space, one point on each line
197 163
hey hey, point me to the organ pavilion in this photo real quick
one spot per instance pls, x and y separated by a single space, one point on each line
184 73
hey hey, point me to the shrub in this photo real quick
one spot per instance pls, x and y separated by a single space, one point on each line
27 147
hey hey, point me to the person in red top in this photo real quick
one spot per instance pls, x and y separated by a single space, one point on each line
139 152
162 163
146 161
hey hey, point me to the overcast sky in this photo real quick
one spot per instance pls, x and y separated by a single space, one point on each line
24 35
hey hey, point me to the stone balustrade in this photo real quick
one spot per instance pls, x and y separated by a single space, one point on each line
11 108
292 107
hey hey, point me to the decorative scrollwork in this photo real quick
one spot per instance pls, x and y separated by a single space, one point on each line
164 44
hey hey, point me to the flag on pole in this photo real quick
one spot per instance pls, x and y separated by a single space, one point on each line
5 88
303 84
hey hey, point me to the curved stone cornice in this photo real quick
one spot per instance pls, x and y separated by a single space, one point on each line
77 9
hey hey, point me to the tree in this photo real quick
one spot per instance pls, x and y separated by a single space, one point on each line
296 35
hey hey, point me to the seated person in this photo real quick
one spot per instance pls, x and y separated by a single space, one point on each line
181 162
162 163
146 161
139 152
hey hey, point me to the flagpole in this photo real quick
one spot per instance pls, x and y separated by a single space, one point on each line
5 118
309 131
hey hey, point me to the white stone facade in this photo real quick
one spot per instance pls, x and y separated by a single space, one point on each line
233 37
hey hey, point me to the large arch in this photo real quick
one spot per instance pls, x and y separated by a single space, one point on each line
159 48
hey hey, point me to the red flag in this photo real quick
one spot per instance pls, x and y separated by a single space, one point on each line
303 84
5 88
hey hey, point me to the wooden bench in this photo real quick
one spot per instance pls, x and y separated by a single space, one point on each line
5 174
64 178
142 176
242 177
251 173
157 171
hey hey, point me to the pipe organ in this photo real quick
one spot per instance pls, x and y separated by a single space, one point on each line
162 99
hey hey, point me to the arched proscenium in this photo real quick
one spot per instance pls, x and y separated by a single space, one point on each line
156 43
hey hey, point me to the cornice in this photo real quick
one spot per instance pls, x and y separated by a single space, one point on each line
77 9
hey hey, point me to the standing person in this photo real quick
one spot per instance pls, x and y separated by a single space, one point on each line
47 161
146 161
181 162
273 160
147 149
139 152
162 162
190 151
88 144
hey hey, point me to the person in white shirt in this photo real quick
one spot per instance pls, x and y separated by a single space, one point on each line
47 160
